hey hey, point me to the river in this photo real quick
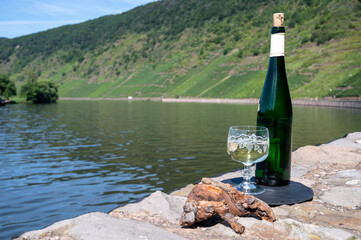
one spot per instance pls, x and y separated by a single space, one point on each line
62 160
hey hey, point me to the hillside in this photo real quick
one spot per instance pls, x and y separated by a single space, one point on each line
201 48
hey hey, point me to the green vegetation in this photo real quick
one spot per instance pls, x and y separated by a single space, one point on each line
7 87
42 91
195 48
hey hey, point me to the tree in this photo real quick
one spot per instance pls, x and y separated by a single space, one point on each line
42 91
45 92
7 87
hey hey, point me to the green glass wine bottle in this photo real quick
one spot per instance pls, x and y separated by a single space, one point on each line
275 113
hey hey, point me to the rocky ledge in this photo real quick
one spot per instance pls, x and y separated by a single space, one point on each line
332 170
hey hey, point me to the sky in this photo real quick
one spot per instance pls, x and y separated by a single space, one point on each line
23 17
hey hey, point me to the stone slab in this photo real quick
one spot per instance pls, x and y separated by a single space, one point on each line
347 197
95 226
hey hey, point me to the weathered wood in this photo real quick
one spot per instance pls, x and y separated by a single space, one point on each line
209 198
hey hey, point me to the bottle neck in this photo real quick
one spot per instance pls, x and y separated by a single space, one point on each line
277 42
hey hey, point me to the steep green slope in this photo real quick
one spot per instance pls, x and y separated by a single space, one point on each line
196 48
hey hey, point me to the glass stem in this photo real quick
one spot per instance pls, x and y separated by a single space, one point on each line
247 175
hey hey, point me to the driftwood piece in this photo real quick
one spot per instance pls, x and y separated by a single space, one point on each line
209 198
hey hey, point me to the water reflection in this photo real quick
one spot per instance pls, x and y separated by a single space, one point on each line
62 160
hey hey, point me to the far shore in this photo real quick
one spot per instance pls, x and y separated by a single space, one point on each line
327 102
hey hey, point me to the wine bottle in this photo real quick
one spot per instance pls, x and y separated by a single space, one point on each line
275 113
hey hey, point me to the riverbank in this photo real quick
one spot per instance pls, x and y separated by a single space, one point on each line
332 171
326 102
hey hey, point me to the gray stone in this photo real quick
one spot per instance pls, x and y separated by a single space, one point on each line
352 140
349 197
169 208
183 192
95 226
348 177
298 171
298 230
351 174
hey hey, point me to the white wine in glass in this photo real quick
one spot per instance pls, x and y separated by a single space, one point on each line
248 145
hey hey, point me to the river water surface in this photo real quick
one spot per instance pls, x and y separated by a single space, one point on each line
62 160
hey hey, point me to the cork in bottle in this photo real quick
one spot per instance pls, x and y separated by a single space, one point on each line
278 19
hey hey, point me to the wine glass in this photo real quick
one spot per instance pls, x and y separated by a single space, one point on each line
248 145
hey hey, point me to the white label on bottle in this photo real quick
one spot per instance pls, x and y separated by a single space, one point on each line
277 44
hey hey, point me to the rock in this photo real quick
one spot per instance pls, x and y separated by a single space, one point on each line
183 192
313 157
343 196
95 226
298 230
157 205
345 190
352 140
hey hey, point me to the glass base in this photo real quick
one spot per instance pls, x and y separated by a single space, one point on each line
250 189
